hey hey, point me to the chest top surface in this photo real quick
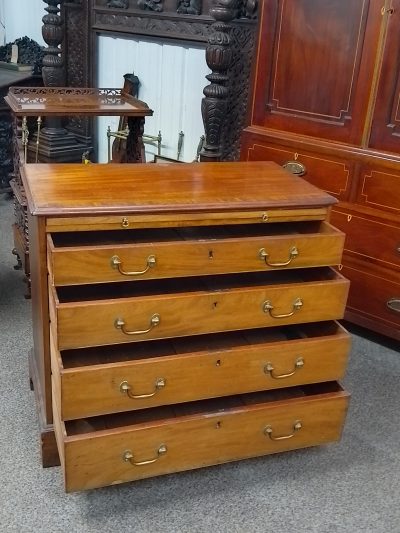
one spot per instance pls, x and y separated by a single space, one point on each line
68 189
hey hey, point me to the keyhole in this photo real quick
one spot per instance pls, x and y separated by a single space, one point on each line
210 254
218 425
218 362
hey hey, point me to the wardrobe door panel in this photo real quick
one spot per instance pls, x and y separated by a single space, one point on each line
314 66
385 129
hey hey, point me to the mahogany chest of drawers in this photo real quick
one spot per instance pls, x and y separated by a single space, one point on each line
184 316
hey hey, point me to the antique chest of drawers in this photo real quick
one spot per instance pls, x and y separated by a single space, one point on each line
184 316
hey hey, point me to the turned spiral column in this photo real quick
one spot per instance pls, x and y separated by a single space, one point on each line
219 56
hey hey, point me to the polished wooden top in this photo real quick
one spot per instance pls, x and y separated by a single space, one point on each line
60 101
62 189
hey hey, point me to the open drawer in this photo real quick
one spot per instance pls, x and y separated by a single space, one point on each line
123 447
104 256
92 315
109 379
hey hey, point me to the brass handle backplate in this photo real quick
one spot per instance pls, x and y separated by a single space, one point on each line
117 264
128 457
264 256
125 388
120 324
295 167
394 304
268 308
268 431
269 369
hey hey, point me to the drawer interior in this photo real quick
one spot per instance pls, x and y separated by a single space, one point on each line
141 236
215 406
104 355
218 283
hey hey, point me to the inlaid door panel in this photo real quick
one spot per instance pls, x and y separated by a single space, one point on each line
315 60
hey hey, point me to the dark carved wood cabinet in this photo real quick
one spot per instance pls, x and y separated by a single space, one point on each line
326 92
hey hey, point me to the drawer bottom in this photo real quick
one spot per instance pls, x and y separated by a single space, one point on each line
113 449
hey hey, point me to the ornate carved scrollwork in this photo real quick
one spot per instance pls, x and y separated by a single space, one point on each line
152 5
119 4
248 9
189 7
219 57
239 73
76 17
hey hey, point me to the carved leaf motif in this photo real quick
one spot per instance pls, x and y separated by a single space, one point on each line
152 5
189 7
153 26
119 4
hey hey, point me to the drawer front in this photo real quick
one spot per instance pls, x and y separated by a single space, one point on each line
167 220
127 453
147 382
373 296
328 172
105 263
379 188
115 321
361 237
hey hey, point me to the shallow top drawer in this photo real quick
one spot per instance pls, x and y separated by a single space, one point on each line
108 256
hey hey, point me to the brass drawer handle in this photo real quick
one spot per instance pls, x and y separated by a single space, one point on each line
268 431
269 369
268 308
394 304
117 264
125 388
128 457
295 167
264 255
120 324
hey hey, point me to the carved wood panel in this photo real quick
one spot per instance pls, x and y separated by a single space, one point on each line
77 53
314 66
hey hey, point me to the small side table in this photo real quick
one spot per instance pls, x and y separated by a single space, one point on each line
50 102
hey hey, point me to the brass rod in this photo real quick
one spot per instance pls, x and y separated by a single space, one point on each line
109 144
39 125
25 136
180 144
